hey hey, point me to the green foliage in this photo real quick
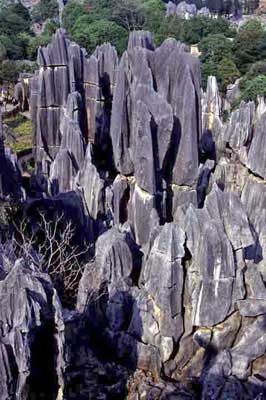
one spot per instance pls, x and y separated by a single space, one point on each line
227 73
129 14
134 14
253 88
14 19
195 29
258 68
45 9
22 128
10 70
169 27
3 51
214 48
13 50
208 68
72 11
91 23
216 57
14 31
50 28
249 45
36 41
91 35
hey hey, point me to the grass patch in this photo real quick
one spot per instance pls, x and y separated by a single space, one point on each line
21 128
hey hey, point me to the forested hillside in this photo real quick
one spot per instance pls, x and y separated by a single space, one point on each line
92 22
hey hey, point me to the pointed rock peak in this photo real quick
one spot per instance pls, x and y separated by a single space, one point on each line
214 202
141 39
171 241
74 102
213 96
56 52
88 157
105 48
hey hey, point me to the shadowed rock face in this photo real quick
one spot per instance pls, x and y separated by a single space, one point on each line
174 292
10 178
71 89
30 320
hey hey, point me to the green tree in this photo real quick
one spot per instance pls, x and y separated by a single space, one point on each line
195 29
9 71
208 68
91 35
258 68
215 47
255 87
130 14
249 45
34 43
45 9
72 11
3 52
171 26
14 19
227 73
14 48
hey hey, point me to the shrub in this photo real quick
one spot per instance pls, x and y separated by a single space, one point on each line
45 9
253 88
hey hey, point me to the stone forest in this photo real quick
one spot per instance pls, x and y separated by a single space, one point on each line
133 260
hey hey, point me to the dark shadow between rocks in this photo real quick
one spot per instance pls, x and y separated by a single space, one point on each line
254 252
113 350
43 383
207 149
217 382
168 165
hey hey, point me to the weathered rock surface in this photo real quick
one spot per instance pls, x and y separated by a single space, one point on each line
174 198
31 328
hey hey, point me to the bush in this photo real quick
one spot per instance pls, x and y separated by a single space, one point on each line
249 45
14 19
3 52
255 87
35 43
258 68
227 73
217 60
195 29
214 48
72 11
10 70
91 35
45 9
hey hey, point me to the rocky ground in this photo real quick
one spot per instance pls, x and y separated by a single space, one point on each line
171 303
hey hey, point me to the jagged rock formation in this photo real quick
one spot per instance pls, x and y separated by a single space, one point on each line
31 359
174 292
70 106
186 10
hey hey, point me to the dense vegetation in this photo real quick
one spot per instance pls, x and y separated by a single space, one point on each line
92 22
221 46
17 40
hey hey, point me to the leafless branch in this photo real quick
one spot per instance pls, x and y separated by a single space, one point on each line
58 255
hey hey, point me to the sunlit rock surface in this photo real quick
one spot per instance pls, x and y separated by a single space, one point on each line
172 301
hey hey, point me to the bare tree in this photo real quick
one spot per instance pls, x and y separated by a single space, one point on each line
51 248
